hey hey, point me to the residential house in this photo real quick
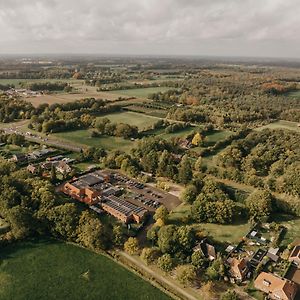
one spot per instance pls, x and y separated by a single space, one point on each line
295 255
275 287
32 169
273 254
238 268
19 158
206 249
63 168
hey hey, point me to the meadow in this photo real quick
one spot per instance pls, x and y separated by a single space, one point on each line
142 121
55 270
140 92
282 124
83 138
222 233
294 94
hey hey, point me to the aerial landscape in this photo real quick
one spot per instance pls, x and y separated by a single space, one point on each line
150 153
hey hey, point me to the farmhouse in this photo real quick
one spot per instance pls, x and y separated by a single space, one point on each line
295 255
276 288
238 268
32 169
19 158
63 168
206 249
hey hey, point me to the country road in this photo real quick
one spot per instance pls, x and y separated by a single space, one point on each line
159 277
50 141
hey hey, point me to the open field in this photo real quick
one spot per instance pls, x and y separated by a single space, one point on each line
148 111
282 124
294 94
80 91
69 97
83 138
17 82
141 92
54 270
142 121
222 233
293 228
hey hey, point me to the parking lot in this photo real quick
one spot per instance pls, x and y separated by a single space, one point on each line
144 195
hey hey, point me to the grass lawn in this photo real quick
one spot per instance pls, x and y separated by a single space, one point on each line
16 82
180 134
224 233
141 92
54 270
282 124
293 228
217 135
83 137
294 94
142 121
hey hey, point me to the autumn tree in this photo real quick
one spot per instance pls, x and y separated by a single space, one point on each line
186 274
131 246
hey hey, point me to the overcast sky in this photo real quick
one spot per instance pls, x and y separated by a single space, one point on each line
269 28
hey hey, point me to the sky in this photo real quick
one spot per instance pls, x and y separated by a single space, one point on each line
254 28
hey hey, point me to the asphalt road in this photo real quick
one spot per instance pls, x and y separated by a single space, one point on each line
50 141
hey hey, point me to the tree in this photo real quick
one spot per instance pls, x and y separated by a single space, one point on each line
185 173
197 139
198 260
168 239
208 290
131 246
161 213
64 220
186 274
189 194
259 204
186 238
230 295
152 234
53 176
91 232
118 237
165 262
149 255
198 164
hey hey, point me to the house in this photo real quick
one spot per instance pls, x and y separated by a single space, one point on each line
238 268
184 144
206 249
295 255
19 158
63 168
32 169
273 254
275 287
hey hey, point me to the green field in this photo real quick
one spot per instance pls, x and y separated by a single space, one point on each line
16 82
55 270
294 94
292 225
142 121
83 137
141 92
282 124
223 233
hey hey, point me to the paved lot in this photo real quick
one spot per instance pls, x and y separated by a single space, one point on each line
145 195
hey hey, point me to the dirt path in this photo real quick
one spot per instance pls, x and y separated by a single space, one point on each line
159 277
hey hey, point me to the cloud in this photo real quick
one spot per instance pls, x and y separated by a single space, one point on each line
150 26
